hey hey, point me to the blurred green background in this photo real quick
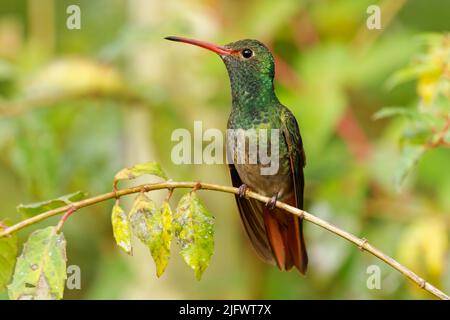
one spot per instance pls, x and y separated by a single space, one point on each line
78 105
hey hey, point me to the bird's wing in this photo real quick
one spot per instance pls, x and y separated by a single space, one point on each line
297 157
295 242
251 212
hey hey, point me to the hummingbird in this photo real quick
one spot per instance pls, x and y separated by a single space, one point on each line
276 235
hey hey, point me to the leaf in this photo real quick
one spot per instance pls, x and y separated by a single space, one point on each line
406 74
411 155
139 216
138 170
194 229
423 247
411 114
160 225
40 271
121 228
36 208
8 254
417 135
388 112
153 228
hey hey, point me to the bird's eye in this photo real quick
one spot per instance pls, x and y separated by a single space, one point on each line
247 53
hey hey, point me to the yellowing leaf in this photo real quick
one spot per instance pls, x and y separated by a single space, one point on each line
133 172
8 253
40 271
121 228
139 216
423 248
160 225
194 229
153 228
36 208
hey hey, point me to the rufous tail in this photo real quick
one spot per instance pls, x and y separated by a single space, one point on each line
285 234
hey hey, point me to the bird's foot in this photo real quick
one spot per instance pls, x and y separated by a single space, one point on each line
242 190
272 202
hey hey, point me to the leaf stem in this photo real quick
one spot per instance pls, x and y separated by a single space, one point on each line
361 243
61 222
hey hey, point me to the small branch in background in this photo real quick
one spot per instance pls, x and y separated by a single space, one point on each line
361 243
439 137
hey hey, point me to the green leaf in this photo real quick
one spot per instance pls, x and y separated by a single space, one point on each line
406 74
417 135
34 209
8 254
121 228
411 155
388 112
40 272
411 114
160 225
194 228
138 170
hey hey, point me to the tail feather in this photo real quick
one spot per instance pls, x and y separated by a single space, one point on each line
285 235
276 237
297 244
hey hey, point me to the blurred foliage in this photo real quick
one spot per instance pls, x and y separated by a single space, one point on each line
29 210
428 126
8 255
41 268
78 105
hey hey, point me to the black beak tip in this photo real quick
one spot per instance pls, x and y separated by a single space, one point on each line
171 38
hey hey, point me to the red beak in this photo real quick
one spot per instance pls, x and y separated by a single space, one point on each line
212 47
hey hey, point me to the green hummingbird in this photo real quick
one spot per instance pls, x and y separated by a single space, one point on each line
276 235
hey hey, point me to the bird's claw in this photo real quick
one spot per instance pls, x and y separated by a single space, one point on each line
242 190
272 202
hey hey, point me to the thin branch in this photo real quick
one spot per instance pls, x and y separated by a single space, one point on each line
361 243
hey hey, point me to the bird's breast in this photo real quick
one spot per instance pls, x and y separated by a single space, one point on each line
267 185
267 177
251 121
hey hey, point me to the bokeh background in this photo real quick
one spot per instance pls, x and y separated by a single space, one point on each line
78 105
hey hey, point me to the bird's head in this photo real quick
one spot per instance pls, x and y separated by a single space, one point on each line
246 60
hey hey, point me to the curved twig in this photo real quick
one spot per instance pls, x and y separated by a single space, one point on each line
361 243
